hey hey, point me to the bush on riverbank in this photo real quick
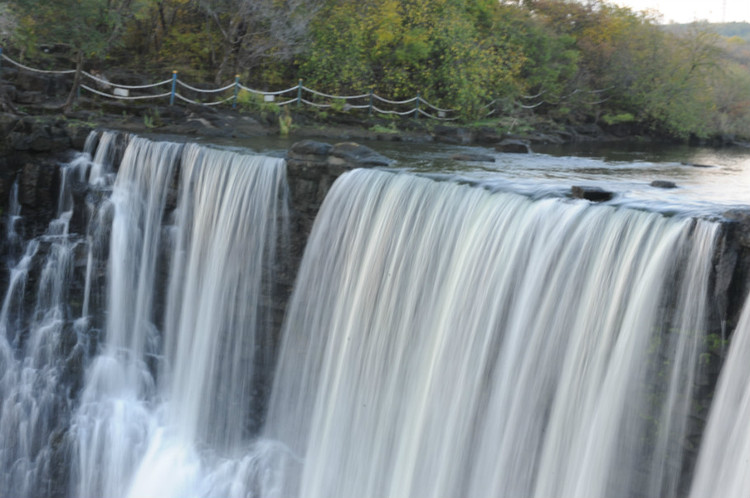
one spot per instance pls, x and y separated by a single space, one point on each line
564 62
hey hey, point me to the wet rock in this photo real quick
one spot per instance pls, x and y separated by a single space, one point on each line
7 123
663 184
37 193
46 134
589 130
29 98
594 194
310 148
356 155
453 135
739 220
513 146
486 135
484 158
545 138
77 133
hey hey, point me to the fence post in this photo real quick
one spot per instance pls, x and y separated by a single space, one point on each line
236 90
369 111
299 92
416 111
174 87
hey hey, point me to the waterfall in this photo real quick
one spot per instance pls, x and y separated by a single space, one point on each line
445 341
163 296
722 469
441 340
39 348
175 390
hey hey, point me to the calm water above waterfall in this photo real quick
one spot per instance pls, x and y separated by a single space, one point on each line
709 180
440 339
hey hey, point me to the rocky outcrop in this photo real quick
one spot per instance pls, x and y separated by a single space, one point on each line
594 194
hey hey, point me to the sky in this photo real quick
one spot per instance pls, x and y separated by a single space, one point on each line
684 11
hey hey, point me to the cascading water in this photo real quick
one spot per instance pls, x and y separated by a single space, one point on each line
722 469
441 340
39 347
445 341
185 262
194 419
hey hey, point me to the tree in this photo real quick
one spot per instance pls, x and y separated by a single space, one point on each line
85 27
257 30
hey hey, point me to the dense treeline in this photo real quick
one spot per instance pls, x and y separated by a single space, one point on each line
565 60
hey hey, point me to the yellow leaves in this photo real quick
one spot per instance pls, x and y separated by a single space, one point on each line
385 23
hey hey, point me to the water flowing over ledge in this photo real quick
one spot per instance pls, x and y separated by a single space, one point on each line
441 340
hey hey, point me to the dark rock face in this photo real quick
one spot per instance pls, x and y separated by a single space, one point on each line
594 194
514 146
310 149
663 184
487 135
312 167
34 134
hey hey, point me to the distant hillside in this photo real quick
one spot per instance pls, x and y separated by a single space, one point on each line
727 29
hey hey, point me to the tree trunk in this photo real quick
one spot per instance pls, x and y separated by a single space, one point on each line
229 58
68 106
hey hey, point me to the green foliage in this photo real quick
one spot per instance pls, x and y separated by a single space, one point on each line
338 105
254 102
152 119
86 27
452 53
285 123
566 61
613 119
390 129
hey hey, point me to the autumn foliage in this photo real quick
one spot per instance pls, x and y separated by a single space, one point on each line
569 61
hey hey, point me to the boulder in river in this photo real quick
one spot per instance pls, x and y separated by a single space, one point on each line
594 194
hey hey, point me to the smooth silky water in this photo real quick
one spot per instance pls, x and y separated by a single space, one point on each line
480 335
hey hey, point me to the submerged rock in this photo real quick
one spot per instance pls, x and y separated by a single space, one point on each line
696 165
594 194
483 158
663 184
